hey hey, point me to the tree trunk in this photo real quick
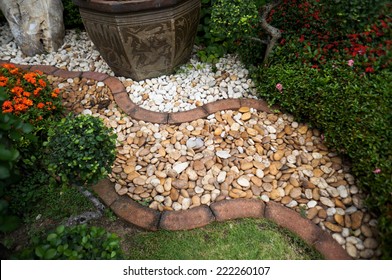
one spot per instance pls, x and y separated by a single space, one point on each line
37 25
272 31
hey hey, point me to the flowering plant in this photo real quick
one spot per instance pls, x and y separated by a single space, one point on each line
30 95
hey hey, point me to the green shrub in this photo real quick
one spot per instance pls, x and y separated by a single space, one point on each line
12 129
80 150
71 15
75 243
355 114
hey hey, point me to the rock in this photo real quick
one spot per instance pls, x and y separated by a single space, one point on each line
37 25
221 177
351 250
333 227
196 200
246 165
322 214
265 198
179 184
366 254
141 181
192 175
312 212
246 116
194 143
295 193
205 199
366 230
243 181
339 219
223 154
174 194
308 185
343 192
278 155
180 167
370 243
311 204
356 219
186 203
267 187
198 165
339 238
327 202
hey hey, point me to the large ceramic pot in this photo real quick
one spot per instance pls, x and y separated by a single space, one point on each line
141 38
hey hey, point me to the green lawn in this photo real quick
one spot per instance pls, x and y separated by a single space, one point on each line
246 239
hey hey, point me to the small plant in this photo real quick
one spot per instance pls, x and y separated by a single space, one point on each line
80 150
75 243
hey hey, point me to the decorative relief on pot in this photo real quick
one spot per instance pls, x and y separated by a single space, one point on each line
144 44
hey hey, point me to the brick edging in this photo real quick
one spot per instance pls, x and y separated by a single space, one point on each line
225 210
134 111
199 216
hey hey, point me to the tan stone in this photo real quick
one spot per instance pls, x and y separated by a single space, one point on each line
356 219
174 194
295 192
244 109
245 165
318 172
286 199
312 212
322 214
257 181
198 165
278 155
339 219
246 116
333 227
303 129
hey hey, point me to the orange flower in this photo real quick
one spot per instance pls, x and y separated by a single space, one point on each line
30 77
42 83
17 90
39 72
40 105
27 102
26 94
7 107
20 107
37 91
3 81
8 66
14 71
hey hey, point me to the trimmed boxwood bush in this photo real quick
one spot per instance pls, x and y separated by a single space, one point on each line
354 113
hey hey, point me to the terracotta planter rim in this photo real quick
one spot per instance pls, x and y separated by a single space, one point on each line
118 6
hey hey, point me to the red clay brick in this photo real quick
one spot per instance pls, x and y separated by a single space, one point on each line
225 104
188 116
105 190
99 77
66 74
238 208
291 220
258 104
329 248
136 214
148 116
47 69
114 84
186 219
123 101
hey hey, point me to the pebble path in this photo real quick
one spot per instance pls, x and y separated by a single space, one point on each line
230 154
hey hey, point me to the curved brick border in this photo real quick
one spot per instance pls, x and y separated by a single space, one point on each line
199 216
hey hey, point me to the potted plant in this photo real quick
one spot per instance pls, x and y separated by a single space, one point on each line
144 38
